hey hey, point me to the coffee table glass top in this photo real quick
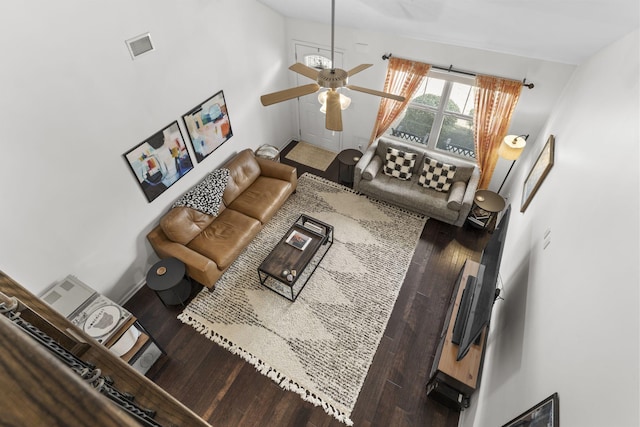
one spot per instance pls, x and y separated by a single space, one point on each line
295 257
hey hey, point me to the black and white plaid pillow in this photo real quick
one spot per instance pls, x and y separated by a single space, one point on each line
206 196
436 175
399 164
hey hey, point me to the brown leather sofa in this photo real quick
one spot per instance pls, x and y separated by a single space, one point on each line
208 245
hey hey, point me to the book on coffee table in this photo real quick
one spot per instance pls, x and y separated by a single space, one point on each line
315 227
298 240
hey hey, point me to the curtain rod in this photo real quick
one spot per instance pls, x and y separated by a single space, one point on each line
451 69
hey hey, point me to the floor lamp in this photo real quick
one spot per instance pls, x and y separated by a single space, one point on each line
510 149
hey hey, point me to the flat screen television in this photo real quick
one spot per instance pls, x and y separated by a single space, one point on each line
479 293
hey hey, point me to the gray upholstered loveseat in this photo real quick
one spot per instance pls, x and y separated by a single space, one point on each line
451 206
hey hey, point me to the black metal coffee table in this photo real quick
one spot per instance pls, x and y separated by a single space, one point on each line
288 267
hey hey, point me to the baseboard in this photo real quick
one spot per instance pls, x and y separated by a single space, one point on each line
286 143
132 292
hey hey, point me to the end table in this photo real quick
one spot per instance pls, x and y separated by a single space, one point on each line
486 204
347 160
167 278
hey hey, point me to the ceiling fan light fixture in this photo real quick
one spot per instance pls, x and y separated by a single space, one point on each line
345 101
331 79
322 97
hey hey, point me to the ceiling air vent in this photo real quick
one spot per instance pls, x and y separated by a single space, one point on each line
140 45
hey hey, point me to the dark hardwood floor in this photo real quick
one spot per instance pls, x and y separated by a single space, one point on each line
226 391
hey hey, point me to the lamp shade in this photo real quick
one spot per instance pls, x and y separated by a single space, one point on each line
511 147
345 101
322 97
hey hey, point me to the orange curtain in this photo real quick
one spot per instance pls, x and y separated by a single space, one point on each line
495 101
404 77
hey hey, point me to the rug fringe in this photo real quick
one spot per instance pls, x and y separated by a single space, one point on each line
266 370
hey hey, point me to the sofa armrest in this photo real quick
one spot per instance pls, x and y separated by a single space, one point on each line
199 267
456 194
362 164
469 194
278 170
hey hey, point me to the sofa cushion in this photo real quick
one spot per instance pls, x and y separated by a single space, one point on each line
244 169
410 195
206 196
262 199
399 164
463 173
437 175
372 168
227 236
181 224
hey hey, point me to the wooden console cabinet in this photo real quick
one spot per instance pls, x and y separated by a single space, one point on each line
104 320
452 382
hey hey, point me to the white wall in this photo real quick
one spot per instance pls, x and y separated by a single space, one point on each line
368 47
569 322
73 101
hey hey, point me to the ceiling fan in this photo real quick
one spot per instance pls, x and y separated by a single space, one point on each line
331 79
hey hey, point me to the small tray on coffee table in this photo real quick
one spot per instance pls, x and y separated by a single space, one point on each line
296 256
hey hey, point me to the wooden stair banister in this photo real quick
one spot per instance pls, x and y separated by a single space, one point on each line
41 389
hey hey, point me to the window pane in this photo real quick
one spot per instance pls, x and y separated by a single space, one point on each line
318 62
461 99
442 123
456 136
415 125
429 92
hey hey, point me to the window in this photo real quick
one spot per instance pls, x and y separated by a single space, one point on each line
318 62
440 115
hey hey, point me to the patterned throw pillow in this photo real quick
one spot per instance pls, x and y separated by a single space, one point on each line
206 196
437 175
399 163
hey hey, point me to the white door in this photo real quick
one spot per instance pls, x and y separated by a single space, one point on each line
311 121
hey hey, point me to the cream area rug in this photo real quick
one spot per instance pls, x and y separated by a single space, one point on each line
312 156
321 345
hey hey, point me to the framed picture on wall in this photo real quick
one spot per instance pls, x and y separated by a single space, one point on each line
538 173
208 126
159 161
544 414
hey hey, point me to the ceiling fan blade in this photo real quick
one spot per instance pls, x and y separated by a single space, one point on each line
377 93
284 95
359 68
334 112
299 68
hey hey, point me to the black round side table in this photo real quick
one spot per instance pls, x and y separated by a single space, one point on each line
486 204
167 279
347 160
